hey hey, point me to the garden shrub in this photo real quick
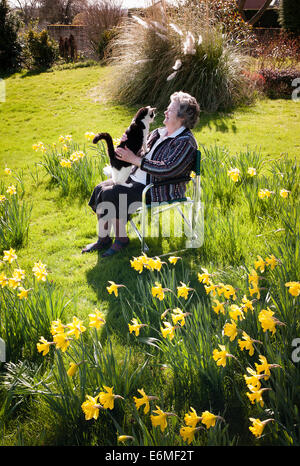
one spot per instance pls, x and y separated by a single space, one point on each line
104 46
278 83
40 50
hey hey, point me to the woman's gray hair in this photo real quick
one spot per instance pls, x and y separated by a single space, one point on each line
188 109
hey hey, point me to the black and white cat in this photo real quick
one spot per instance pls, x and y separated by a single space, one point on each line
137 134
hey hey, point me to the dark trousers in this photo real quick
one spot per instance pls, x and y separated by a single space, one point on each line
116 201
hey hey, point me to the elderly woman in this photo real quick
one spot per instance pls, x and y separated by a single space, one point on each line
171 154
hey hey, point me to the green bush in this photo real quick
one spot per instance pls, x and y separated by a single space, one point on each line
104 47
40 50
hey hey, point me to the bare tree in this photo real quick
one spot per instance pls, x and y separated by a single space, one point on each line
61 11
28 9
101 16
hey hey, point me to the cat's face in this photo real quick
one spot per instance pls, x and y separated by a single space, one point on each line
150 115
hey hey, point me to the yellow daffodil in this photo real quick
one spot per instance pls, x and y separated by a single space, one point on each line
209 419
173 259
135 327
204 277
251 171
113 288
144 400
168 331
258 426
236 312
19 274
153 264
11 190
253 379
178 316
191 418
234 174
76 327
3 280
68 138
271 261
221 356
39 270
260 264
2 198
57 327
23 293
43 346
254 290
97 319
158 291
229 292
247 304
7 171
91 408
284 193
61 139
247 343
211 288
9 255
161 418
123 438
14 282
264 367
89 135
107 398
66 163
188 433
253 278
72 369
294 288
183 291
268 322
255 395
219 307
230 330
137 264
263 193
61 341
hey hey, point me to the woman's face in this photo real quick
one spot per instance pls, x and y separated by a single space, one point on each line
171 118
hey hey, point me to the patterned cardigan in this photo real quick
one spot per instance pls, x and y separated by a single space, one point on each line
174 157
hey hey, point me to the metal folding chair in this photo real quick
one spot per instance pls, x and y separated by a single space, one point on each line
190 210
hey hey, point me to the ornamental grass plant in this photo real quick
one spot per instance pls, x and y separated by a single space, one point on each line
160 54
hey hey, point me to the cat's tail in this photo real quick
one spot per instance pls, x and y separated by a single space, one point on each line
110 145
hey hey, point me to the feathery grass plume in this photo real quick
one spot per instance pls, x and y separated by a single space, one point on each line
148 51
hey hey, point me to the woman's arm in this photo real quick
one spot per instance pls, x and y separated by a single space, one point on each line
181 156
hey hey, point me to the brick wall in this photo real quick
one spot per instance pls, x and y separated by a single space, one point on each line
61 32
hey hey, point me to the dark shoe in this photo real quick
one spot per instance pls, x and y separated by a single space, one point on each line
98 246
119 245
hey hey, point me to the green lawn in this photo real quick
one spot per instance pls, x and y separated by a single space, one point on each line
41 107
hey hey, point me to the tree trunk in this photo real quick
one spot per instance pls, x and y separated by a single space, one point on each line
260 12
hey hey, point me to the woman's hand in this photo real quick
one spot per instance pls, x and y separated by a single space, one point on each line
126 155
